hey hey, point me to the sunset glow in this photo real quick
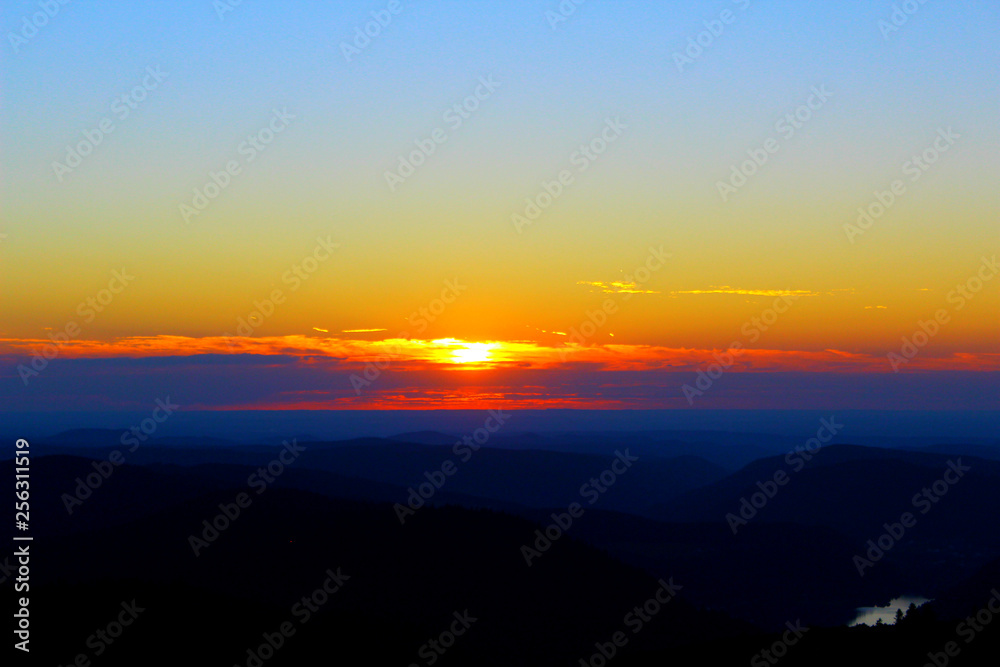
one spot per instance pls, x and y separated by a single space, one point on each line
645 248
579 318
473 353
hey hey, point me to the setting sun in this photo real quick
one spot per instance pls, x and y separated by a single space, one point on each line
472 353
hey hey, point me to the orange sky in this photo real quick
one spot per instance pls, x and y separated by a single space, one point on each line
324 372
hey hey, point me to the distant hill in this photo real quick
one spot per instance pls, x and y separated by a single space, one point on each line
855 491
425 438
406 581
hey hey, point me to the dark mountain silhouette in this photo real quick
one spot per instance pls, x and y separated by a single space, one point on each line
329 484
970 596
856 491
406 581
761 575
426 438
664 518
530 478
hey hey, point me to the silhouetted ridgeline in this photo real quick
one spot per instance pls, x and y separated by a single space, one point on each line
218 547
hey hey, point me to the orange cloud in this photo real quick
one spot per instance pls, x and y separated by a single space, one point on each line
456 354
726 289
617 287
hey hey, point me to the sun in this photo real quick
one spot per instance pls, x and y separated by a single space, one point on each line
472 353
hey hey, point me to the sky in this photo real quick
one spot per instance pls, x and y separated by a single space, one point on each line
499 203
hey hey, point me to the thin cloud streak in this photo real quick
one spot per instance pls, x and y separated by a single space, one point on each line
726 289
616 287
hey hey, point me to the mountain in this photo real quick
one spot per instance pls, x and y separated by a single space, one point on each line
405 583
857 492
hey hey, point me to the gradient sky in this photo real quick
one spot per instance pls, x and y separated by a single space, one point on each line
323 176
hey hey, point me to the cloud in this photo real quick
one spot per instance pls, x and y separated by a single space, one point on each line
417 354
595 377
726 289
616 287
320 372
